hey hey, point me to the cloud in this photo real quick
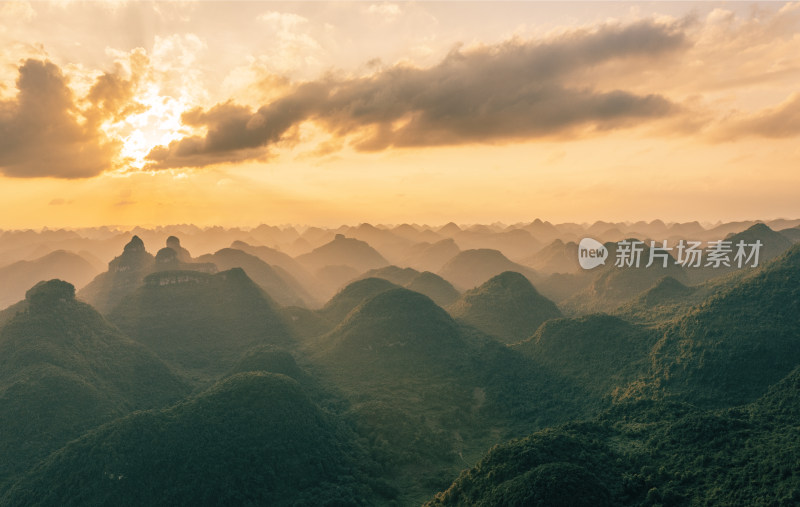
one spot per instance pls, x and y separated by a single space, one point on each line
511 91
778 122
44 133
282 20
386 10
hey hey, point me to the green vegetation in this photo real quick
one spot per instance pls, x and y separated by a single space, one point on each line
398 276
201 323
683 395
63 370
648 453
430 393
276 282
743 339
506 306
353 295
252 439
435 287
598 352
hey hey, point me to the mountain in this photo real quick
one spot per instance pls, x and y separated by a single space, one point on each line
668 299
435 287
772 245
598 352
343 251
732 347
331 279
553 467
272 235
396 275
18 277
471 268
276 282
543 231
557 257
125 273
271 360
666 289
449 230
169 259
201 323
427 256
63 370
390 245
792 234
647 453
353 295
559 287
430 392
420 331
514 243
415 233
276 258
251 439
175 244
507 306
613 285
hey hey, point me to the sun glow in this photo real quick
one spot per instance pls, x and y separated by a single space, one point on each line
156 123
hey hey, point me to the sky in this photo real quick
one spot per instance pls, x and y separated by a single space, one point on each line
239 113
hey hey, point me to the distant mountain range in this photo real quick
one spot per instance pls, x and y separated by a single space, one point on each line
463 364
470 268
18 277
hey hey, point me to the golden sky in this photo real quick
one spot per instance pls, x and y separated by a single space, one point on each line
240 113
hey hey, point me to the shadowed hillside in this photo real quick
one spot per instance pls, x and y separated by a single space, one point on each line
200 322
432 393
63 370
507 307
279 284
612 285
648 454
434 286
125 274
251 439
353 295
731 348
598 352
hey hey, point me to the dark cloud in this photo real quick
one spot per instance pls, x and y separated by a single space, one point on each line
112 96
778 122
41 133
515 90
